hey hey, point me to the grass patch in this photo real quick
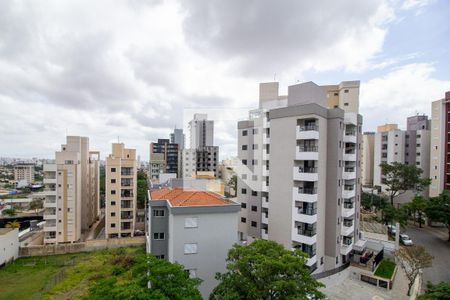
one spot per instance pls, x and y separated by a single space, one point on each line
67 276
385 269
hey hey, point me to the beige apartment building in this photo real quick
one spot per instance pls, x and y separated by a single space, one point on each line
71 192
24 171
367 158
120 192
299 172
439 146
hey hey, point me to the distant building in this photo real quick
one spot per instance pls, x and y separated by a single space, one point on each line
157 166
193 228
9 245
120 192
170 154
177 137
440 146
367 158
24 172
71 191
202 131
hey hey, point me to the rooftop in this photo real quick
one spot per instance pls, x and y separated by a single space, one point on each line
189 197
5 230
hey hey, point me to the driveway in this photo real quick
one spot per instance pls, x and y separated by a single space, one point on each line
435 241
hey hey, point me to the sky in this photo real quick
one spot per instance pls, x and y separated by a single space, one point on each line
131 71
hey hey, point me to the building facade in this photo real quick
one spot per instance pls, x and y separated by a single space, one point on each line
367 156
9 241
72 191
177 137
170 152
120 192
24 172
201 131
194 228
439 146
299 178
157 166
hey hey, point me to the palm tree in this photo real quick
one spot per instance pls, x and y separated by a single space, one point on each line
13 224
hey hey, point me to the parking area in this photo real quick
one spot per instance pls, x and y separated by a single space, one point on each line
435 241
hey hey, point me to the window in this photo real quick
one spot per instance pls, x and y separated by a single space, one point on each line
321 260
336 94
244 132
113 214
243 205
244 191
113 203
158 212
113 225
345 91
244 176
254 208
113 192
158 235
244 162
191 222
337 259
113 170
345 103
254 224
243 220
244 147
160 256
113 181
254 193
190 248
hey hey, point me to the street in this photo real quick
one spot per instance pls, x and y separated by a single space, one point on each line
435 241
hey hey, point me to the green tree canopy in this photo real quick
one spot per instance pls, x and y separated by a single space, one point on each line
232 184
9 212
266 270
401 178
438 210
142 188
440 291
417 207
153 278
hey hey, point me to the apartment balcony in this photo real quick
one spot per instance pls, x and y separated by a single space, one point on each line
308 237
350 137
49 191
49 180
264 218
304 194
349 173
304 215
348 210
307 153
265 171
264 234
50 203
264 202
351 118
266 123
264 187
311 261
349 156
308 132
347 230
348 193
50 225
305 174
50 213
346 246
265 155
266 138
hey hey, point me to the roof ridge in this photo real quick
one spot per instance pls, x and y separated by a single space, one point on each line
190 196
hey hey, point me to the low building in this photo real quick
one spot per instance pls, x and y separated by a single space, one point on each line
194 228
24 172
9 241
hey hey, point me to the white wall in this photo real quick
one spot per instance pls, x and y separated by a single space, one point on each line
9 245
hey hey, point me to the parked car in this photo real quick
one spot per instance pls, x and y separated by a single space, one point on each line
405 240
392 229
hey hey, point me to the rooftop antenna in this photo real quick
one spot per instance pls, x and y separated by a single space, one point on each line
274 76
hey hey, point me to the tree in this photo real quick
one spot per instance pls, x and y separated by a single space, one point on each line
36 204
413 259
401 178
439 291
266 270
418 206
232 184
13 224
438 210
9 212
142 189
152 278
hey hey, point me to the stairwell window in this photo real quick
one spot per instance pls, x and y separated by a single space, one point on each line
190 248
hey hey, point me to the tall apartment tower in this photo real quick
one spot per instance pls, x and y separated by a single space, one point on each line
201 131
24 171
367 158
299 178
120 192
170 152
71 192
177 137
439 146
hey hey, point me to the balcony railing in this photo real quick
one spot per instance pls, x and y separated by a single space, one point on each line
347 242
307 170
307 211
126 217
349 187
348 223
306 190
309 127
348 169
350 133
350 151
308 148
348 205
307 232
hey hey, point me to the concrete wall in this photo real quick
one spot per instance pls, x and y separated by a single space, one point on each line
9 245
215 235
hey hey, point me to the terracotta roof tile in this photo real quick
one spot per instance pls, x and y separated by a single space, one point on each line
188 197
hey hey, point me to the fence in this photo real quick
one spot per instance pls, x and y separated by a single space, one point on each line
57 278
90 245
331 272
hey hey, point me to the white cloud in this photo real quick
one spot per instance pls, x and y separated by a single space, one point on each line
415 4
403 92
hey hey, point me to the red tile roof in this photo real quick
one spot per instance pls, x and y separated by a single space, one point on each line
188 197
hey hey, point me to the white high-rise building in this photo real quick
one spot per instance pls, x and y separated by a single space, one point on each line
299 179
201 131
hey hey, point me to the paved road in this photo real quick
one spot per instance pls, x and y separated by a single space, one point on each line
435 241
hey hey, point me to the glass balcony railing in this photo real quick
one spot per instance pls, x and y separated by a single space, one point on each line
307 232
308 148
309 127
307 190
308 211
307 170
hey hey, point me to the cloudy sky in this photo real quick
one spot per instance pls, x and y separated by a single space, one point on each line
132 70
